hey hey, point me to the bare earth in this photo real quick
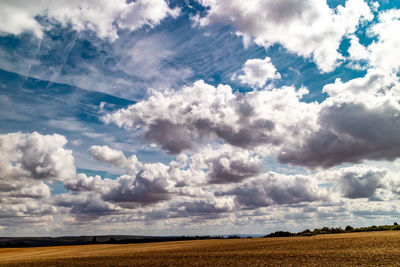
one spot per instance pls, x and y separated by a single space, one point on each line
360 249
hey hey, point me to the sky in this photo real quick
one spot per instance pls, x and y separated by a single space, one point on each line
198 117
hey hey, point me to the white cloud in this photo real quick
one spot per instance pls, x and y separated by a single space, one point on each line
35 156
202 113
276 121
308 28
356 50
257 72
384 53
227 164
27 161
188 189
116 158
359 120
103 17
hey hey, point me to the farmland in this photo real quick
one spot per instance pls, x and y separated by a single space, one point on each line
365 249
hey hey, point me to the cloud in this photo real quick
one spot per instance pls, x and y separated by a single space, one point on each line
204 208
144 184
275 121
27 161
103 17
84 183
257 72
359 181
308 28
85 206
358 121
277 189
148 187
202 113
116 158
384 54
375 210
228 164
30 213
68 124
35 156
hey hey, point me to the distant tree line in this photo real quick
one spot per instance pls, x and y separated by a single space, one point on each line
86 240
38 242
333 230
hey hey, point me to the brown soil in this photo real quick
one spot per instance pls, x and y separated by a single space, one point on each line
353 249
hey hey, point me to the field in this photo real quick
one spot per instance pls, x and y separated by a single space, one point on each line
361 249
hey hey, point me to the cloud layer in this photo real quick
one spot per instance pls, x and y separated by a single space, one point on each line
102 17
308 28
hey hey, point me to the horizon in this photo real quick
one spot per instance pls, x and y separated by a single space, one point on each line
192 117
241 235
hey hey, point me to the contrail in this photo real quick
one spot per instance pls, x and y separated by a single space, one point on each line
35 56
68 51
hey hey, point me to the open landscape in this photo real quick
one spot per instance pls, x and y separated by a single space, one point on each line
199 133
348 249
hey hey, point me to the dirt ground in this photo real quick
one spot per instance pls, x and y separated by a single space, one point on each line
352 249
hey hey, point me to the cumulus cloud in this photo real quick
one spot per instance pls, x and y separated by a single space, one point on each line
103 17
227 164
308 28
315 135
359 181
201 209
148 187
33 213
384 53
257 72
202 113
277 189
116 158
144 184
85 207
35 156
158 183
358 121
27 161
83 183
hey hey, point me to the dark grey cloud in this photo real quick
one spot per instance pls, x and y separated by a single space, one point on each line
205 207
276 189
85 206
360 181
144 184
137 191
226 164
232 170
83 183
350 132
173 137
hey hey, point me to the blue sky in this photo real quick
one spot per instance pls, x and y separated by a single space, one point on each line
198 117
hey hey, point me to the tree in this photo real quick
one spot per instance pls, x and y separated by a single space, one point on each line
349 228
